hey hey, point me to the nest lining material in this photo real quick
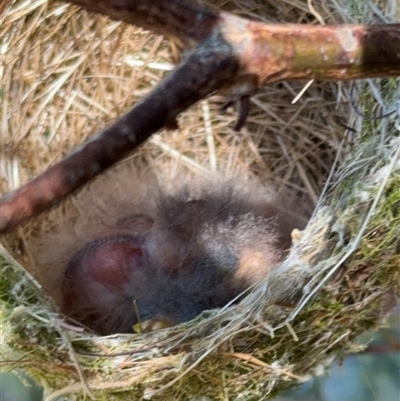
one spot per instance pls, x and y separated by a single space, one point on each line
67 73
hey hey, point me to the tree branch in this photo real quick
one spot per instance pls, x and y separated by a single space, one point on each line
187 21
285 52
269 51
210 67
234 54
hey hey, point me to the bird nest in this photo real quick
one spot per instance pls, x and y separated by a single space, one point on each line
67 73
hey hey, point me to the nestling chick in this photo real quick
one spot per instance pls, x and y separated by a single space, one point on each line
174 255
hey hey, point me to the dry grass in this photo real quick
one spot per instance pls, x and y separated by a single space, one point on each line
66 74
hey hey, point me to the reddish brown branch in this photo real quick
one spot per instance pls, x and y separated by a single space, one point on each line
284 52
233 53
271 52
187 21
209 68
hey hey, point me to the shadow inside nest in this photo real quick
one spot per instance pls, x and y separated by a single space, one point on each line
136 254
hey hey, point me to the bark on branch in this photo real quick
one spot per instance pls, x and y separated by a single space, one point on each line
208 68
232 54
187 21
269 51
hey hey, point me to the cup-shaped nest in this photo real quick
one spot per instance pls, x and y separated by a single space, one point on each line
67 74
